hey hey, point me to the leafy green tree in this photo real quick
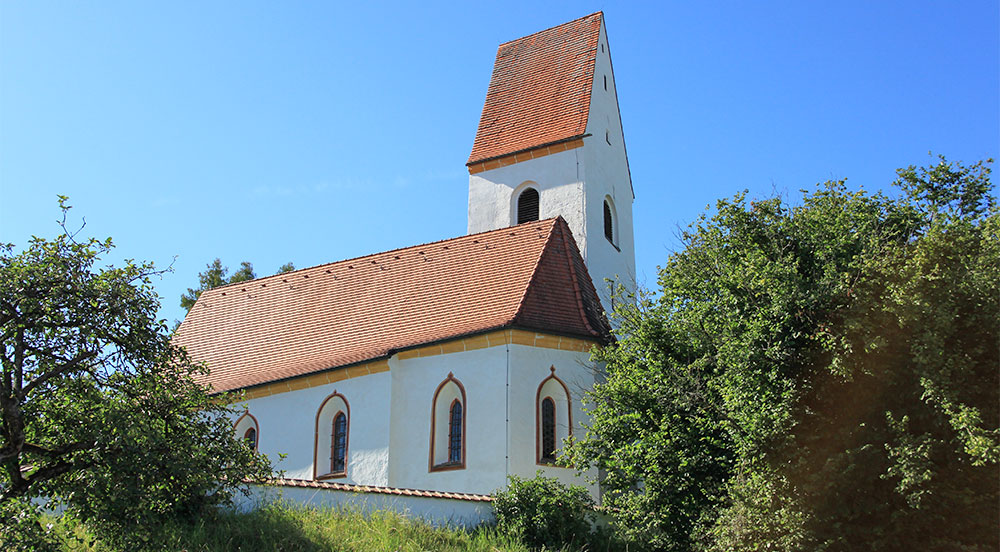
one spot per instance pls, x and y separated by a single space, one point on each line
98 410
814 377
215 276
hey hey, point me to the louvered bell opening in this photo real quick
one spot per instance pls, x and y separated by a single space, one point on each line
527 206
609 231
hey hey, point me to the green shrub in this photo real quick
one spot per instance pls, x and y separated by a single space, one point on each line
543 512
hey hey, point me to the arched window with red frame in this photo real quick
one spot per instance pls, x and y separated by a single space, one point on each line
554 419
332 442
250 437
449 412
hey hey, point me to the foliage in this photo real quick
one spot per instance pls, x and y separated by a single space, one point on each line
280 526
99 410
817 377
213 277
543 512
22 528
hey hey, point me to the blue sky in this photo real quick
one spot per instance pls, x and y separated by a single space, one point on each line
314 132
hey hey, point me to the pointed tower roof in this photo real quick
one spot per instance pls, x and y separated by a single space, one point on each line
540 90
529 276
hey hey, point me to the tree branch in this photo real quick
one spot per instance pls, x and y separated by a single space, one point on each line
69 366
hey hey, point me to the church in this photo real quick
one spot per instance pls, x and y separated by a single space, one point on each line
420 378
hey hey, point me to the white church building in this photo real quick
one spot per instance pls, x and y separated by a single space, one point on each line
422 377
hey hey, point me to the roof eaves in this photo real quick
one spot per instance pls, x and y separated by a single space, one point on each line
303 374
523 150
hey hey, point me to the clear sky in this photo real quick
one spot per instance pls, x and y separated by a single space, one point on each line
312 132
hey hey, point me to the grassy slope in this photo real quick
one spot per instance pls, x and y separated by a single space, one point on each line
287 528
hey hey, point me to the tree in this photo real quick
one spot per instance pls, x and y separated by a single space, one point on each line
99 410
215 276
823 376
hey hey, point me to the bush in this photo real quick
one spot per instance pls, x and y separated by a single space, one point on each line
543 512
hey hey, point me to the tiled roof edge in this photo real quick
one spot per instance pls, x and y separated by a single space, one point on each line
563 228
534 272
611 63
349 487
593 74
386 252
512 325
304 374
599 12
540 146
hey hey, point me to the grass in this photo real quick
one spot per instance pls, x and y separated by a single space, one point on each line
284 527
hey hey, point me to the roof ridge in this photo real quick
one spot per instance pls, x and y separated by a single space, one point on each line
386 252
534 272
578 293
598 12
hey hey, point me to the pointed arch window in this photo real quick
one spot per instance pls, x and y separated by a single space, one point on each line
338 452
527 206
331 446
455 433
250 438
246 428
554 418
449 412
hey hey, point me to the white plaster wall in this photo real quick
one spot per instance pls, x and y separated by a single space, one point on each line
482 373
287 424
607 175
530 366
437 511
390 417
557 177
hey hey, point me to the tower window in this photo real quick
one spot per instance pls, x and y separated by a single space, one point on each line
605 83
527 206
609 227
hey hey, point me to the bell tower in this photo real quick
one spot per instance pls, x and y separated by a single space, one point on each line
550 143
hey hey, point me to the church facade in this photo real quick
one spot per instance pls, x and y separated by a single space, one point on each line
436 371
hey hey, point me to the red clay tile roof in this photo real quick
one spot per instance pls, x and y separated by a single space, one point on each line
378 490
540 90
529 276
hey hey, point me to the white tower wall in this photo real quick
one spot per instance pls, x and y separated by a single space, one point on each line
574 183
